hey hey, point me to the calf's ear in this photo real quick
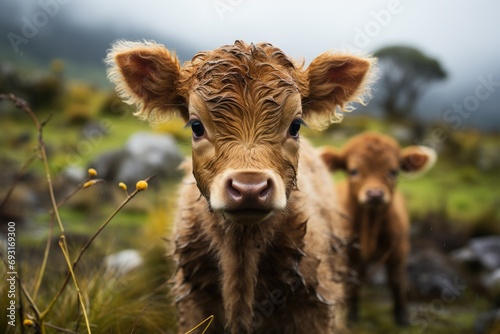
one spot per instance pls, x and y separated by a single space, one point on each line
335 81
146 74
333 159
416 160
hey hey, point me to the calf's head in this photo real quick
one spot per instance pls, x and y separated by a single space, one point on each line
372 162
245 105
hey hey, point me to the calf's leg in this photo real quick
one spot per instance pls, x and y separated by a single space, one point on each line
396 276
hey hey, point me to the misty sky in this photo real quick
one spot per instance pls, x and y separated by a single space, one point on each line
458 32
463 35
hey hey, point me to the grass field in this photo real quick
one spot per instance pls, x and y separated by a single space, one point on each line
459 192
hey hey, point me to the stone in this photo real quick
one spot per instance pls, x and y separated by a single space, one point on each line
123 262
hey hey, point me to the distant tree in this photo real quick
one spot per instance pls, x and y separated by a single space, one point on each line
405 76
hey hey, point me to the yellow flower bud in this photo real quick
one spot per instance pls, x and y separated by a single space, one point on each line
89 183
141 185
92 172
28 323
122 186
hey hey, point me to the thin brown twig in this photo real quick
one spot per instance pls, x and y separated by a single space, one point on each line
23 105
47 247
75 191
132 195
142 313
17 178
208 322
75 281
21 311
25 292
60 328
41 273
84 248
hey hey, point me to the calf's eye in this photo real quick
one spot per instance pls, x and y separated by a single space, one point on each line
393 173
294 128
198 129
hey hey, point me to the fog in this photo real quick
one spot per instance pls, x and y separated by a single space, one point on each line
463 35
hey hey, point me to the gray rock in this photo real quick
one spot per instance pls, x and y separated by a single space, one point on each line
432 274
145 154
150 154
492 281
109 163
488 322
484 250
487 250
74 174
464 255
483 254
123 262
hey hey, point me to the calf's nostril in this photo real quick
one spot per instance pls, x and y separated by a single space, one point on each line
265 188
234 189
374 194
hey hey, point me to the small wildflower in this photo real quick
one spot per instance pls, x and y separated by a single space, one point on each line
122 186
89 183
141 185
92 172
28 323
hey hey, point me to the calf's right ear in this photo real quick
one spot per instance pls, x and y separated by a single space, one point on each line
335 80
416 160
333 159
146 74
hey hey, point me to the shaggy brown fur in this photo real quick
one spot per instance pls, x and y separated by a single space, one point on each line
255 234
379 219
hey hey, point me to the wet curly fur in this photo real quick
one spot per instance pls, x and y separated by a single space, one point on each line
283 274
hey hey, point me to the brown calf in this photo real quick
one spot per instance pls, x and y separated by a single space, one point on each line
254 229
379 219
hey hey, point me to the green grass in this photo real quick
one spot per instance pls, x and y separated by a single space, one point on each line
462 192
116 304
433 317
464 197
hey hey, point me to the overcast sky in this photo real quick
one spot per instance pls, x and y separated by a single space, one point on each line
456 31
464 35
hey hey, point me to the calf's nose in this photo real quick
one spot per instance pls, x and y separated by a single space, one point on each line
374 195
249 190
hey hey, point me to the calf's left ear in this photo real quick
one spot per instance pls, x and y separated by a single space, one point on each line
333 158
416 160
146 74
335 81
